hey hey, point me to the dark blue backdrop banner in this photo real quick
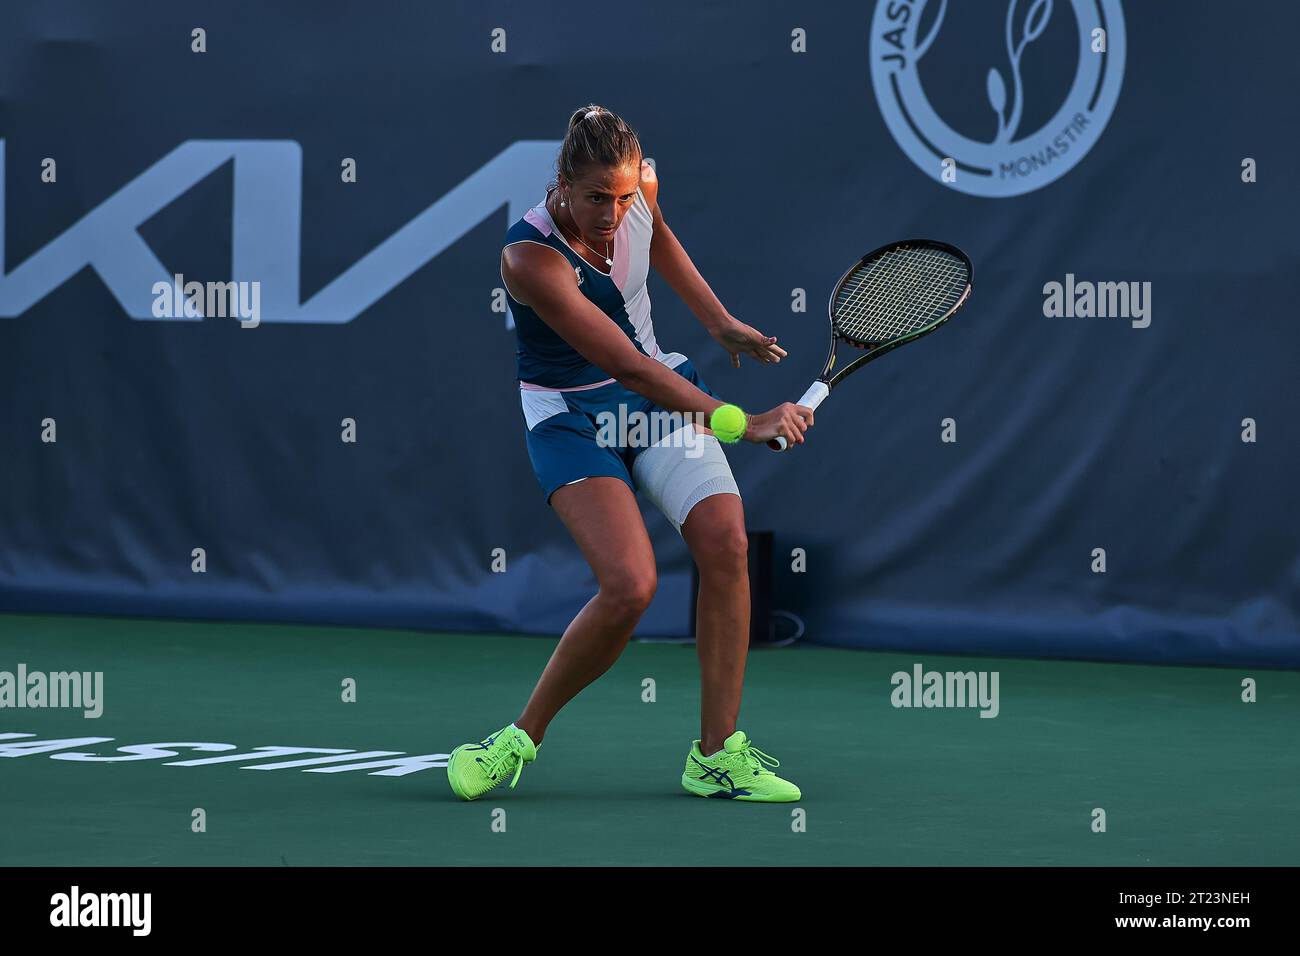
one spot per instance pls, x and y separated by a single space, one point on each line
1096 458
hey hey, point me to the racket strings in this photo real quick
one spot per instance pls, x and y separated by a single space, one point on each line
899 292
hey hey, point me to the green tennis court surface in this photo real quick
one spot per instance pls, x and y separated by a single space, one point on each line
1186 773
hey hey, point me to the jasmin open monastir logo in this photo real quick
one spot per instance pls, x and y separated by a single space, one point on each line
1011 161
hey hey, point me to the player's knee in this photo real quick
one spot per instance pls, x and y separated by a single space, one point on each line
725 551
630 592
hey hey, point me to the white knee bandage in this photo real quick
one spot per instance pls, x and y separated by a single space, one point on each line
680 471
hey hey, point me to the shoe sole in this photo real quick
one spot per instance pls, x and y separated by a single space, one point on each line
701 789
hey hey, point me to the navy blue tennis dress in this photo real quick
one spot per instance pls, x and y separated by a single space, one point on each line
560 392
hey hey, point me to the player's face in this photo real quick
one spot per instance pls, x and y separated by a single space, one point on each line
600 199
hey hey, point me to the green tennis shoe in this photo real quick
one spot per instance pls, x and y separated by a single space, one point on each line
474 769
739 771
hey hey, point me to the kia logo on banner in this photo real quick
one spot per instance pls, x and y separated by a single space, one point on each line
1001 159
266 229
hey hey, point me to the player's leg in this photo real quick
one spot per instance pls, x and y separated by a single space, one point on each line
715 533
602 515
698 494
692 484
687 476
723 762
590 488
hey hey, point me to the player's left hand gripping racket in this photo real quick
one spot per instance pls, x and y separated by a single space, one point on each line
888 298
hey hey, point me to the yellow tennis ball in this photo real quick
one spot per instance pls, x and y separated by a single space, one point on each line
728 423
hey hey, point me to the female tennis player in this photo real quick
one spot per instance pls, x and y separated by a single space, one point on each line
575 271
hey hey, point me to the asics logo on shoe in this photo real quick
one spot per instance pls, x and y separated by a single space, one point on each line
720 777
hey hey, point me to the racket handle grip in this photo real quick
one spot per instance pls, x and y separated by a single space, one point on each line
815 395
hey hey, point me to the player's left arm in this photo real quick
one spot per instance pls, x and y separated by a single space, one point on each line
671 261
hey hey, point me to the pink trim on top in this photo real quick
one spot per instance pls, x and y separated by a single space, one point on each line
622 256
576 388
538 222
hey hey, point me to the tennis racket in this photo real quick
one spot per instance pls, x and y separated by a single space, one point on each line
888 298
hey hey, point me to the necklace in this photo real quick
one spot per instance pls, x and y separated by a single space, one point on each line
604 255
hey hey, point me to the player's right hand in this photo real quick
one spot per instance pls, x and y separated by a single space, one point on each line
787 420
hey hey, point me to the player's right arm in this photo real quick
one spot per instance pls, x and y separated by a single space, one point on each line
542 278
